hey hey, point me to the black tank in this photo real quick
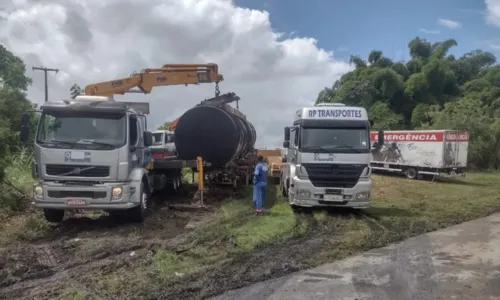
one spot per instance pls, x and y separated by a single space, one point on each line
217 132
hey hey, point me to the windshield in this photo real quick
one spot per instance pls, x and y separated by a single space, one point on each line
335 139
157 139
82 130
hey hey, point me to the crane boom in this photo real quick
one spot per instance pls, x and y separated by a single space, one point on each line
171 74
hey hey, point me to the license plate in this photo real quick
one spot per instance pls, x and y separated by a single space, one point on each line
333 197
76 202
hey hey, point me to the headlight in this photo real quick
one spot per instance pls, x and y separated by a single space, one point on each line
362 196
367 171
303 194
38 190
117 192
302 172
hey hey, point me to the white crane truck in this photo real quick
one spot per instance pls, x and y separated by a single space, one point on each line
328 157
91 153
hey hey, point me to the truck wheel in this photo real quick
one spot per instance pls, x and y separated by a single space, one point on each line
411 173
139 213
53 215
175 186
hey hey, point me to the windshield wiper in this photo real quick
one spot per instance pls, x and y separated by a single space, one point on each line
92 142
316 148
58 142
346 146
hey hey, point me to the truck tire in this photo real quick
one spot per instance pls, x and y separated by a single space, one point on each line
53 215
411 173
139 213
284 187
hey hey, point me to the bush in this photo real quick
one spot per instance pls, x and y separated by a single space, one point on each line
17 182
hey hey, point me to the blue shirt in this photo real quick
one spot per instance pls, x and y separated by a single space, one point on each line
260 173
147 157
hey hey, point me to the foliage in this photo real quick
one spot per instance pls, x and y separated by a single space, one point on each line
433 90
75 90
13 102
165 126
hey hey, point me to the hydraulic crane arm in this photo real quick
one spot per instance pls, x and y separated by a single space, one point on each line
173 74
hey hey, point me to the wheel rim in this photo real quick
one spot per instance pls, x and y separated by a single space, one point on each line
411 173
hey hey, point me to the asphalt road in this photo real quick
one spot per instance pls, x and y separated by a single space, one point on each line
461 262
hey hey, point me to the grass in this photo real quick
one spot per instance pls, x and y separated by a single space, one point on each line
401 208
17 182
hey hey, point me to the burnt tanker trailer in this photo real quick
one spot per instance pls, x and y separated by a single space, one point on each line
216 131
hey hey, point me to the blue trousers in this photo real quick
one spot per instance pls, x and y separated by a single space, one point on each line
259 194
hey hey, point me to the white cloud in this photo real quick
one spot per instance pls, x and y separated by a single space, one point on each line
495 46
429 31
95 40
493 12
449 23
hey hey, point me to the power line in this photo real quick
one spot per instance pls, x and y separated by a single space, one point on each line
45 70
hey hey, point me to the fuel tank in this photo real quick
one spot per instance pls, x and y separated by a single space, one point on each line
217 132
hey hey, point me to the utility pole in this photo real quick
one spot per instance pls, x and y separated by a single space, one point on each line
45 70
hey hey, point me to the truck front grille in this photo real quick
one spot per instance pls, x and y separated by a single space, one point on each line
77 170
77 194
334 175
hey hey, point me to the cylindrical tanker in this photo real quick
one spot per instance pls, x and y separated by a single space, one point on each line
217 132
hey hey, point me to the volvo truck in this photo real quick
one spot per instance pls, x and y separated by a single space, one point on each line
328 157
92 153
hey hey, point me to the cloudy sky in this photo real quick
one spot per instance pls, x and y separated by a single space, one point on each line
275 54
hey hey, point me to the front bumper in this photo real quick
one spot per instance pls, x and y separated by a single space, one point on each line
305 194
95 197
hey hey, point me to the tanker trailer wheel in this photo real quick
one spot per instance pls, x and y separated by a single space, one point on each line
53 215
139 213
411 173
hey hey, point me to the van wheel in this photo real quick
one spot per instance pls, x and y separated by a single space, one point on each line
139 213
53 215
411 173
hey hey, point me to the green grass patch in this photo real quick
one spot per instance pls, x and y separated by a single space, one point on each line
238 239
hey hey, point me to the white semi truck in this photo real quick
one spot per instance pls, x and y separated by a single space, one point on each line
421 152
328 157
91 153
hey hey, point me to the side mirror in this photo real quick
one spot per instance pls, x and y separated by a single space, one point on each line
25 128
283 159
286 144
148 138
287 134
381 137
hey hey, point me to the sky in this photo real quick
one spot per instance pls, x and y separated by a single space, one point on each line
275 54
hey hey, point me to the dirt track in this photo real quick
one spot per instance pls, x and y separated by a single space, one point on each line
83 248
29 270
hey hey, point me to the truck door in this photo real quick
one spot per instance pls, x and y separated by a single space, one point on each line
134 157
451 148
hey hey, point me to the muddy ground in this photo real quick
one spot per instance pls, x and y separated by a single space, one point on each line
79 247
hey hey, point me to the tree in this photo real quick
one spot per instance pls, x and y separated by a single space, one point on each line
432 90
165 126
75 90
13 102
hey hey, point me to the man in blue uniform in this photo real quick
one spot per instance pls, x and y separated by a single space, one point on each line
259 184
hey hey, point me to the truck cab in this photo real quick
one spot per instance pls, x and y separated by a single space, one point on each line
328 157
163 144
91 153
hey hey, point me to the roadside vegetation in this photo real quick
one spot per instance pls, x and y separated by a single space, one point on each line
432 90
234 247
